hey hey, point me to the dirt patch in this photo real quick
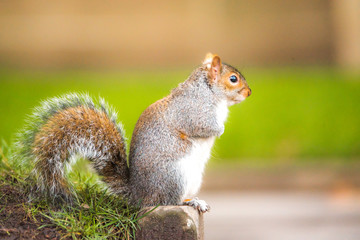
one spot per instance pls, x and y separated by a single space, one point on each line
17 223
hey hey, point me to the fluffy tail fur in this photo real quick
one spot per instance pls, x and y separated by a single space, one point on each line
68 126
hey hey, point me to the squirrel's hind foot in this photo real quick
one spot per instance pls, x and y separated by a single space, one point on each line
199 205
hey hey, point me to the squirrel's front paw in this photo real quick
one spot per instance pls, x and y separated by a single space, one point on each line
200 205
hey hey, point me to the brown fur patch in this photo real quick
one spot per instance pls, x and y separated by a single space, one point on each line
183 136
246 92
64 130
225 79
79 121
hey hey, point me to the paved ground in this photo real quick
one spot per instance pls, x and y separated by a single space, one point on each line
282 215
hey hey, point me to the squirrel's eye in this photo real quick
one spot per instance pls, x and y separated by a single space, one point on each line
233 79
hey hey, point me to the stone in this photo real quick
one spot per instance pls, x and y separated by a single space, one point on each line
171 222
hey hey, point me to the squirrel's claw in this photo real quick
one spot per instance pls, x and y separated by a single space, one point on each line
199 205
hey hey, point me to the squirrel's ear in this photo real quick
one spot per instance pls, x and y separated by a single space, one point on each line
213 65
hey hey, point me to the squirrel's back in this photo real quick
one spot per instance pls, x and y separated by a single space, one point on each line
69 126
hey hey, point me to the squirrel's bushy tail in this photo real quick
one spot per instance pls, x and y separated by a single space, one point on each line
68 126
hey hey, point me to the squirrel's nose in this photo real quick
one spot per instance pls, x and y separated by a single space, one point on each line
246 92
249 92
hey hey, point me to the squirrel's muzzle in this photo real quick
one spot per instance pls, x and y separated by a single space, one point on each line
246 92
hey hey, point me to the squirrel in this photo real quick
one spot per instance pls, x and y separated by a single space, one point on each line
170 144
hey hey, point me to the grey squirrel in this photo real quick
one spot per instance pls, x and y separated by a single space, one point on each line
170 144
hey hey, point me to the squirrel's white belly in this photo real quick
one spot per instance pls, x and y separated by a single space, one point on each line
192 165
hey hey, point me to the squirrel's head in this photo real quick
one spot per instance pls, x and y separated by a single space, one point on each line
227 79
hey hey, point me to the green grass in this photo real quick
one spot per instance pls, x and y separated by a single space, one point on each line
95 214
293 113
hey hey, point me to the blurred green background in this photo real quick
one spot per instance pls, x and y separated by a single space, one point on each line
301 60
293 113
